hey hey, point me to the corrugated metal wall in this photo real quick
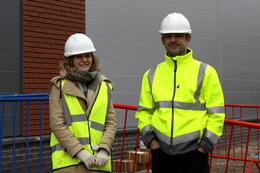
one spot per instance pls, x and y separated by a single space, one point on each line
10 49
226 34
10 46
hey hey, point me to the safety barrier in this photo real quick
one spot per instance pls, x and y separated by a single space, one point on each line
11 106
239 156
237 150
242 112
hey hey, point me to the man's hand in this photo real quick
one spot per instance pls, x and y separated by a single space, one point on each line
154 145
200 149
206 145
102 157
87 158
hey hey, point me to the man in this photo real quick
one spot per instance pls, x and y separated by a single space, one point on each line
181 107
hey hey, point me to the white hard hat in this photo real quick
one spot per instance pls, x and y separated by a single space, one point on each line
175 23
77 44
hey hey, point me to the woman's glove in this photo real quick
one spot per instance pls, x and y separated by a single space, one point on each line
87 158
102 157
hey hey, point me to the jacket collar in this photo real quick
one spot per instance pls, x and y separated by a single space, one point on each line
180 59
70 88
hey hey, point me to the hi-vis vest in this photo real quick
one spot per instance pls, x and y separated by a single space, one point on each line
181 100
87 128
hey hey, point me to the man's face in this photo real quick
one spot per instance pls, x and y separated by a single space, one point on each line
175 43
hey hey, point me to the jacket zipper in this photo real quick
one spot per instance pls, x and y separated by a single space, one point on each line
174 91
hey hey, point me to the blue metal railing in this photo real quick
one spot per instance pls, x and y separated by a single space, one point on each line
26 99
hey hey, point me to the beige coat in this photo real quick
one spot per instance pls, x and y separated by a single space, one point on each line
59 127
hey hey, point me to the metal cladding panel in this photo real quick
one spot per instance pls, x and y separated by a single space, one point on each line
10 44
10 66
226 34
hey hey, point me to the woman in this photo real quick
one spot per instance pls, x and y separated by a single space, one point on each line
82 118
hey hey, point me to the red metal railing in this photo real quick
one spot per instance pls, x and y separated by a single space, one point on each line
229 154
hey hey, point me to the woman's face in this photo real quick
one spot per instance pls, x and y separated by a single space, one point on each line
83 61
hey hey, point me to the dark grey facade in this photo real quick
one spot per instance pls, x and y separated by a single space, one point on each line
226 34
10 48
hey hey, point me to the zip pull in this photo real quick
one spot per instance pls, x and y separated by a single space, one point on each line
175 66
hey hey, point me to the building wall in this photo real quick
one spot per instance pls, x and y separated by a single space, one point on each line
10 48
45 28
226 34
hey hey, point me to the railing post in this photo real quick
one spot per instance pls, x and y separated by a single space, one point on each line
2 105
14 106
123 143
27 163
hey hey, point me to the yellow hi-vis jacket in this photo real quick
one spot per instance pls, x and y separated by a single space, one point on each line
181 101
88 129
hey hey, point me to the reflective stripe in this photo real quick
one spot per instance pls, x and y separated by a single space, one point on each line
97 126
197 105
179 139
109 97
212 137
150 110
151 76
84 141
146 129
199 81
66 111
181 105
78 118
150 79
216 109
81 117
57 147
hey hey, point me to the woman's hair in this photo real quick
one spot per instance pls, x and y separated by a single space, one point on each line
66 67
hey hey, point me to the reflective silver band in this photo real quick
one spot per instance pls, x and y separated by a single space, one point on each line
58 147
84 141
109 93
150 110
78 118
97 126
66 111
146 129
216 109
181 105
213 138
202 69
151 76
179 139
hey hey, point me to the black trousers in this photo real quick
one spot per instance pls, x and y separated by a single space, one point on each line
191 162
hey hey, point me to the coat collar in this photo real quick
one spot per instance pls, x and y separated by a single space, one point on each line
180 59
70 88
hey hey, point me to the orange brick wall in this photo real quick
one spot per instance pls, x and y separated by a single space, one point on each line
45 28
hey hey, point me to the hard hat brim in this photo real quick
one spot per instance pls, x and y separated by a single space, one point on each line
172 31
77 53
